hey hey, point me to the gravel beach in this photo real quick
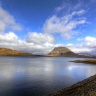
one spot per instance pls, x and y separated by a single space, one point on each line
86 87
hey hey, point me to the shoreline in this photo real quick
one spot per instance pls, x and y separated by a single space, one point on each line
86 87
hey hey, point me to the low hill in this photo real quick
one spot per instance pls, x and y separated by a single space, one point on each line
62 51
10 52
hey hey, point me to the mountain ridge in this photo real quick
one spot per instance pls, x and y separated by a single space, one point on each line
10 52
56 52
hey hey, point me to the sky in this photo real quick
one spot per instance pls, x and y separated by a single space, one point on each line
37 26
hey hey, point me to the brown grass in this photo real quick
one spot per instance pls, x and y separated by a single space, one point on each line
93 61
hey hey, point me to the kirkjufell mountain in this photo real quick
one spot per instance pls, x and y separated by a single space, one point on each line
63 51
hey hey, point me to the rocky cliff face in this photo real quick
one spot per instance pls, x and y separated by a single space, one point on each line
9 52
62 51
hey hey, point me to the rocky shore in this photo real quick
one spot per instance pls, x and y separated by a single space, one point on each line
86 87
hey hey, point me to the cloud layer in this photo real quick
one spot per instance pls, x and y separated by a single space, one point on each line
39 38
7 21
65 24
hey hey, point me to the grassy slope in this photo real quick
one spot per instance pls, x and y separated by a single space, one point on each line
93 61
9 52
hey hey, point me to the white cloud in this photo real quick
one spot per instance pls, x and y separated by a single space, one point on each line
35 42
69 45
79 48
39 38
68 6
7 21
8 37
88 45
89 41
78 12
64 25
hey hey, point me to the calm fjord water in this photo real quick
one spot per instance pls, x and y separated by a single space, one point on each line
40 76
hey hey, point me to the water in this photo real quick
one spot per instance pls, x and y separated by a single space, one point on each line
40 76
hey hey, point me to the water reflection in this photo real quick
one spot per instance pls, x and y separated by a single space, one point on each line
40 76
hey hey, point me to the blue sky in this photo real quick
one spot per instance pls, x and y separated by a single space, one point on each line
37 26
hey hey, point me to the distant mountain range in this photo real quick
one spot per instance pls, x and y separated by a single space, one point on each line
58 51
10 52
90 54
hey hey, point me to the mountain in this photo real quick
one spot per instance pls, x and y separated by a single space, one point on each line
62 51
90 54
86 54
10 52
